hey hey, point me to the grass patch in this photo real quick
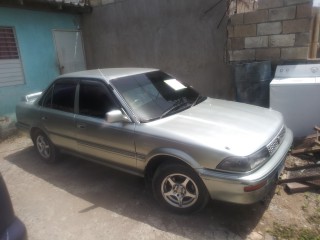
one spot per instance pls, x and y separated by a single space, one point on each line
314 219
294 232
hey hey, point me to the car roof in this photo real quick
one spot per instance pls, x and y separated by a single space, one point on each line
108 73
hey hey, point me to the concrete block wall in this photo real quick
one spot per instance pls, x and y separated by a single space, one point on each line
95 3
277 30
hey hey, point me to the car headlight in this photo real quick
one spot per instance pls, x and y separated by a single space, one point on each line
244 164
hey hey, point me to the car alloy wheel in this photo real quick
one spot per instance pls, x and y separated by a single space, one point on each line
179 188
43 146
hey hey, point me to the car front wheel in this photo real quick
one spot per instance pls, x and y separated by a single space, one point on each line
179 188
45 147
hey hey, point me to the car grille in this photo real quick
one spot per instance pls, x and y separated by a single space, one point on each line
276 142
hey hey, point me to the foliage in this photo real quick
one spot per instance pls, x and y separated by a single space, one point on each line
294 232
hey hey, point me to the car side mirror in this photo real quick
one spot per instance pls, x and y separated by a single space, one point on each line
116 116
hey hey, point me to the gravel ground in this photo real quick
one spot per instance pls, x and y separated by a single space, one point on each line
76 199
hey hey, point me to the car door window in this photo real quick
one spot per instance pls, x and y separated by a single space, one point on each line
61 96
94 99
47 100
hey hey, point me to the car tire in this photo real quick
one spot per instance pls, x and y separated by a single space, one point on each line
45 148
179 189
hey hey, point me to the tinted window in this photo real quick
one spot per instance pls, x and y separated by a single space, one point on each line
47 100
151 95
94 99
61 96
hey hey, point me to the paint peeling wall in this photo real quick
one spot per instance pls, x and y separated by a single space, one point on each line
37 51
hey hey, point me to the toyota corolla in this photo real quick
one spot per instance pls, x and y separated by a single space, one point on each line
189 147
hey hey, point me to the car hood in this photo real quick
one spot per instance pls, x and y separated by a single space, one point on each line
235 128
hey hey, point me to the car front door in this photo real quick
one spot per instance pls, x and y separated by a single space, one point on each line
113 143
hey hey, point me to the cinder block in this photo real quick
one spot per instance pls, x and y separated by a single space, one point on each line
242 55
265 4
294 53
302 39
256 17
269 28
236 43
268 54
284 13
105 2
296 26
256 42
236 19
245 30
94 3
295 2
286 40
304 10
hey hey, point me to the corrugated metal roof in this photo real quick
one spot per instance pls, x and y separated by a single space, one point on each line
74 6
74 2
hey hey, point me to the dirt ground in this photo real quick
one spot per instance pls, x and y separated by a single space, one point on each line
76 199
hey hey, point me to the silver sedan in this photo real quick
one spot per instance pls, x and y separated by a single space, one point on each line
190 148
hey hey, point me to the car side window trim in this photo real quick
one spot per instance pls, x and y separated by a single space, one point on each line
45 96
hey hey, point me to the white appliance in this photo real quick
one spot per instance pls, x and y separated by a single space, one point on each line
295 92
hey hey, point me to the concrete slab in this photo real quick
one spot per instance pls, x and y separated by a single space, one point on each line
76 199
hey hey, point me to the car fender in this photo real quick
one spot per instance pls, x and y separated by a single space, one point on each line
172 153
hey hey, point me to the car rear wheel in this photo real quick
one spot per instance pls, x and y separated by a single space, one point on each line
45 148
179 189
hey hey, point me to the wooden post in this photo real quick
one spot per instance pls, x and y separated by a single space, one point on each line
315 34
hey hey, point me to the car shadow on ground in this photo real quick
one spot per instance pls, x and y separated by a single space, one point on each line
127 195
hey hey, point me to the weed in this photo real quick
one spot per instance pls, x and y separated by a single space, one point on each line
314 219
306 202
304 207
307 234
307 195
282 232
294 232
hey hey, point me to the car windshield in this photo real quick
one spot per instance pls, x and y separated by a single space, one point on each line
154 95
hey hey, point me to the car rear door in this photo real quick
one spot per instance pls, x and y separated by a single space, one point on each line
111 143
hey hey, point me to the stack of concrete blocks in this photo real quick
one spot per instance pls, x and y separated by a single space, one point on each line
277 30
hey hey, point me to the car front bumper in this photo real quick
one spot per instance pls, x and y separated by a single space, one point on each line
230 187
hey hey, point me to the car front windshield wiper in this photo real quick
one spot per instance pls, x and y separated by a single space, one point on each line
177 105
199 99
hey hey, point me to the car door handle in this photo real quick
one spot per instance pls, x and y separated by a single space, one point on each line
44 118
81 126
